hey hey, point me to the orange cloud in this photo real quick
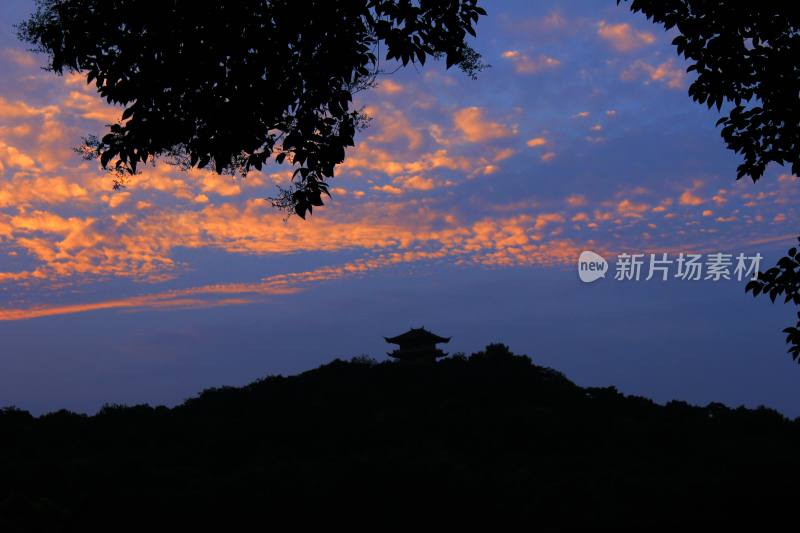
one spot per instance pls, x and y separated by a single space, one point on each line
528 65
667 72
470 121
576 200
390 87
222 185
689 198
547 218
118 199
416 182
622 37
21 58
392 125
505 153
25 190
66 221
391 189
536 142
92 107
504 242
369 157
663 205
11 156
19 109
627 208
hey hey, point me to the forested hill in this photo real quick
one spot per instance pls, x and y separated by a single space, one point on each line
490 435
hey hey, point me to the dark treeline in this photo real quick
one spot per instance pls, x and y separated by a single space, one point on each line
491 435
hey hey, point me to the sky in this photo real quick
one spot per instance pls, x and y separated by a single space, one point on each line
463 208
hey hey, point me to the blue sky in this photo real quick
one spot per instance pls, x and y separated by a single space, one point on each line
463 208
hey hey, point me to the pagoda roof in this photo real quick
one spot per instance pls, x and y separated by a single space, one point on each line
417 336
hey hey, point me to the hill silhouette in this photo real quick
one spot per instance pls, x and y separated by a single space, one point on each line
468 438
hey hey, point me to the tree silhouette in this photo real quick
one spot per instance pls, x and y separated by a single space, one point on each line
748 55
783 280
232 85
480 437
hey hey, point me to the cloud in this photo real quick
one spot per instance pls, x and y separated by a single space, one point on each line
390 162
425 183
117 199
502 242
553 21
524 64
162 178
388 86
140 243
393 125
502 154
628 208
391 189
416 182
21 58
576 200
25 190
668 73
689 198
721 197
622 37
92 107
536 142
475 127
212 182
164 300
663 205
11 156
547 218
20 109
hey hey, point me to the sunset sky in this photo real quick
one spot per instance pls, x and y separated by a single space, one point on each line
463 208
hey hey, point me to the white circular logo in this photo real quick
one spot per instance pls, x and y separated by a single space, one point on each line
591 267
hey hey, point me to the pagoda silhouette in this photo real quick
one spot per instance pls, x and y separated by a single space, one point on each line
417 345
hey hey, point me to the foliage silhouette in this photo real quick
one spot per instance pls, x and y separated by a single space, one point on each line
486 436
782 280
746 54
232 85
